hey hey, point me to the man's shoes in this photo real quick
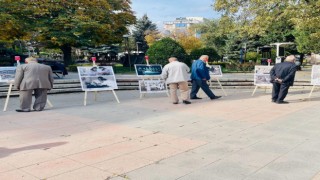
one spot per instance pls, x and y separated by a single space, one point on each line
196 98
215 97
186 102
175 103
273 100
282 102
21 110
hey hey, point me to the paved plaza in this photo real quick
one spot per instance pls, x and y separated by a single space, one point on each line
236 137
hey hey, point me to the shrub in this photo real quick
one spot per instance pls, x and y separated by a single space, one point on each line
237 67
253 56
211 52
73 67
160 51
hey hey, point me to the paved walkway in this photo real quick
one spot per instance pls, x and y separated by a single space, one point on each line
236 137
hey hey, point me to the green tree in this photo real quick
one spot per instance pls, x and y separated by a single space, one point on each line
211 52
188 41
66 24
276 20
144 27
160 51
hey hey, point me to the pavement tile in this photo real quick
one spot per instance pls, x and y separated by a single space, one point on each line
51 168
123 164
29 158
16 175
108 152
84 173
4 166
223 169
157 153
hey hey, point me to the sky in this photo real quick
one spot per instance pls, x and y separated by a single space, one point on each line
159 11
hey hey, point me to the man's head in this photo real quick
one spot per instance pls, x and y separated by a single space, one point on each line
204 58
30 59
172 59
290 58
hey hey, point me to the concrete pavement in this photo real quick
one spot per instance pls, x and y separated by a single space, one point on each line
236 137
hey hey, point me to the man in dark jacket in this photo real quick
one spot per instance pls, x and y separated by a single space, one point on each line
282 76
199 77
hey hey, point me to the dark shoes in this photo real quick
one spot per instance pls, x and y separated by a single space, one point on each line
21 110
216 97
282 102
273 100
196 98
184 102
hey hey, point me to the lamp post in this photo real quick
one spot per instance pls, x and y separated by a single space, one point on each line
137 43
126 41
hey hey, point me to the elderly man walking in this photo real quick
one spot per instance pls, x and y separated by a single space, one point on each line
282 76
176 75
199 77
33 77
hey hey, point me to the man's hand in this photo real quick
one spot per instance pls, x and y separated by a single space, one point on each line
278 80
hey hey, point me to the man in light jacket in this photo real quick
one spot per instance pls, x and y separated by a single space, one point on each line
33 77
176 75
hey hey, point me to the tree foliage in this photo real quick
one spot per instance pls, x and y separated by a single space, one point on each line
188 40
65 24
276 20
162 50
211 52
144 28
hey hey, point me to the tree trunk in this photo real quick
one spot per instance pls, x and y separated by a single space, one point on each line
66 49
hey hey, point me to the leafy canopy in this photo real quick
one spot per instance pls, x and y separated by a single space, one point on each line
162 50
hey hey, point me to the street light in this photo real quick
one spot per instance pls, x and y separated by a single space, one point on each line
138 46
126 41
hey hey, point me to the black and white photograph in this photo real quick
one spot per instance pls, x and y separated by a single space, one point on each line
315 75
262 75
215 70
148 70
96 71
7 74
152 86
102 79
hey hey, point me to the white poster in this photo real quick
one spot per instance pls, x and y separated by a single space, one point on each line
97 78
215 70
152 86
7 73
315 75
262 75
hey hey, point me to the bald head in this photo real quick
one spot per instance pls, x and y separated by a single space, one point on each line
204 58
172 59
290 58
30 59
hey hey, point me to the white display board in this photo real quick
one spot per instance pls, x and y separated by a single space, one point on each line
262 75
215 70
7 73
152 86
97 78
315 75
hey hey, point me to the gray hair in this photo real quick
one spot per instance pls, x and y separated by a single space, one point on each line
172 59
204 58
30 59
290 58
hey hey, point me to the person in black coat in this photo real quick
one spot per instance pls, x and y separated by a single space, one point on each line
282 76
